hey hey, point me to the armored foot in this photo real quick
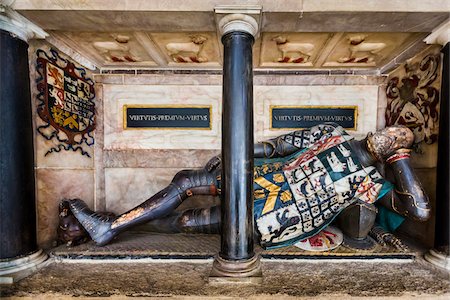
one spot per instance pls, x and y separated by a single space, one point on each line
97 225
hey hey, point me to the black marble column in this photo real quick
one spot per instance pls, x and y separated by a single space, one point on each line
17 186
237 148
442 233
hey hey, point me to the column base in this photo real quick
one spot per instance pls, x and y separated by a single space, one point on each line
14 270
438 259
241 271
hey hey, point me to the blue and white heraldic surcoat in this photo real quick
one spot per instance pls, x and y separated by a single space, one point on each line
297 196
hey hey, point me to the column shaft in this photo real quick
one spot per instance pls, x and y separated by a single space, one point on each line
443 165
237 147
17 185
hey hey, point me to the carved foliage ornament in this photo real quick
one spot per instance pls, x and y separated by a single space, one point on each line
414 102
65 103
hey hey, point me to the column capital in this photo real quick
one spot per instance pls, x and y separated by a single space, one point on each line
18 25
238 18
440 35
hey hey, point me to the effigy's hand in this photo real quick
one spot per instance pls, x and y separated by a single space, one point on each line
213 164
385 238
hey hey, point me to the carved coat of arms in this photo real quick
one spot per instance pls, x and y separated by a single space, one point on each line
65 103
413 101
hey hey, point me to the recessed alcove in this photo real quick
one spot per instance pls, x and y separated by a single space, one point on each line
100 75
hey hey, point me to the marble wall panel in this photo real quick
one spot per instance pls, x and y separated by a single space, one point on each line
127 187
158 158
364 97
62 159
116 96
52 186
64 174
191 77
99 153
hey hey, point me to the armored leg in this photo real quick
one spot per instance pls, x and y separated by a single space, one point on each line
355 222
186 183
196 220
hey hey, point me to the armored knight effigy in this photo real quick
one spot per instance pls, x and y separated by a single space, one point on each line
302 182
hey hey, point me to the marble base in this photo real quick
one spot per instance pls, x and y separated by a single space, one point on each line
226 271
438 259
14 270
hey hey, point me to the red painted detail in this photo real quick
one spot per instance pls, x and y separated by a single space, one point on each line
284 60
298 60
363 60
130 59
354 43
194 59
116 59
181 59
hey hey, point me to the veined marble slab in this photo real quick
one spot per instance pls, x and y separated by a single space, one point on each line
364 97
116 96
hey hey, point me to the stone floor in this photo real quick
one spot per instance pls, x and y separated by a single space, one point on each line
200 246
189 279
138 266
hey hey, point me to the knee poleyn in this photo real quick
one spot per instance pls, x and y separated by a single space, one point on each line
181 180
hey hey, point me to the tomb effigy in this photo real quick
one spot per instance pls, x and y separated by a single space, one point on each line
302 182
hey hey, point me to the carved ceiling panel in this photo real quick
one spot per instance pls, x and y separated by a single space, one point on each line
109 49
199 49
272 50
292 50
366 49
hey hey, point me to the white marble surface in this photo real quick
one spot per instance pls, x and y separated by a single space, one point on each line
364 97
127 187
62 159
64 174
52 186
116 96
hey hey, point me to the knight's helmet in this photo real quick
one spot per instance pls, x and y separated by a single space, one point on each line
385 142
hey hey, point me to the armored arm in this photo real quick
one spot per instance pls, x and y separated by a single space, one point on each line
283 145
408 197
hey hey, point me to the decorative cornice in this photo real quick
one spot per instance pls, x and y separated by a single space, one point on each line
440 35
18 25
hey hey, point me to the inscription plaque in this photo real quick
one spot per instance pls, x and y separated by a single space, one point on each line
298 117
166 117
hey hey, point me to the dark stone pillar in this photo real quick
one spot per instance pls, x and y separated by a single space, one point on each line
443 165
237 257
19 254
440 255
17 190
237 147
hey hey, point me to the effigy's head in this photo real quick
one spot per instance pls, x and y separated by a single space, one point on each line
385 142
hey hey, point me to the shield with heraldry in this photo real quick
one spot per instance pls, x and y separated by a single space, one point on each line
67 104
